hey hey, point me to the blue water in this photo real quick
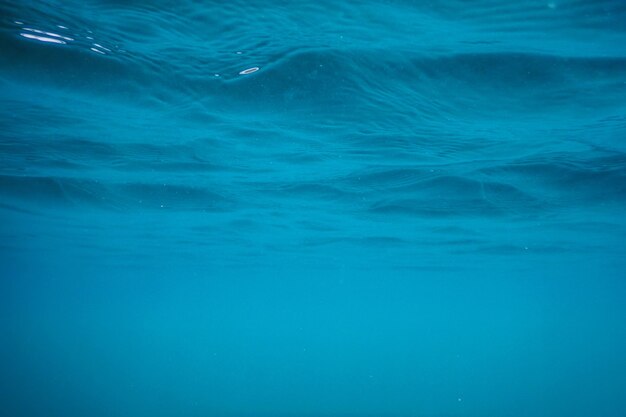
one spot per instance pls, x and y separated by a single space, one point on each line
269 208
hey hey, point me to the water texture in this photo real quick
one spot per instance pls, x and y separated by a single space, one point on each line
272 208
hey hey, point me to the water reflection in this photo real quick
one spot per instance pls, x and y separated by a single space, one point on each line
42 38
55 35
56 38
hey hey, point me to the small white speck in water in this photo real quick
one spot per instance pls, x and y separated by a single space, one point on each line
97 45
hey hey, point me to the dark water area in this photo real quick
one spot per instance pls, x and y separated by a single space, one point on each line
270 208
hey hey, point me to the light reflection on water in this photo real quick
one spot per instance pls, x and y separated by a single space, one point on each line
42 38
87 40
55 38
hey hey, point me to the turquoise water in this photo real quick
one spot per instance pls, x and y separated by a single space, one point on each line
270 208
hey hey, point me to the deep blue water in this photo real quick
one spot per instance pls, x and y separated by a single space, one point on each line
271 208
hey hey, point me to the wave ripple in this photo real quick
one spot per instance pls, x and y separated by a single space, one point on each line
416 133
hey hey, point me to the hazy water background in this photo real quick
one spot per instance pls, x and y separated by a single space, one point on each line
410 209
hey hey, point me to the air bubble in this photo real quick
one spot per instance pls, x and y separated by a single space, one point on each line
249 71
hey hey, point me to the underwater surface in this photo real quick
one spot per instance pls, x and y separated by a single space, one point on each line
286 208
